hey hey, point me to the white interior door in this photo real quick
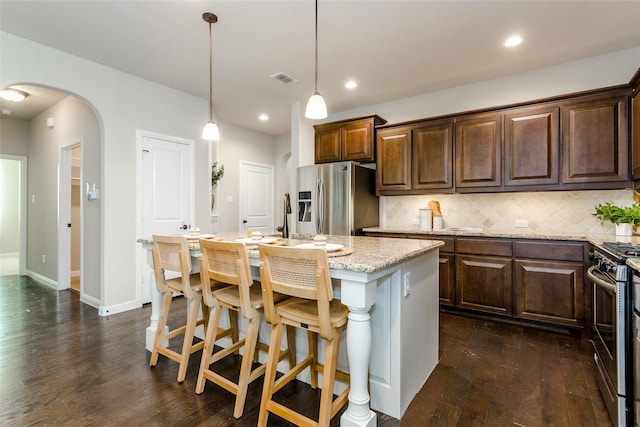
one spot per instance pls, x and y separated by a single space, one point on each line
167 192
256 197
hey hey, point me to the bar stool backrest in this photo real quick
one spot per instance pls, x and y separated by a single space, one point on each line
297 272
171 253
226 262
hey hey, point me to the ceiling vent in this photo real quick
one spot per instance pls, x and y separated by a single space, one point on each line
284 78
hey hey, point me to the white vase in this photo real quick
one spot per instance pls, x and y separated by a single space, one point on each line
624 230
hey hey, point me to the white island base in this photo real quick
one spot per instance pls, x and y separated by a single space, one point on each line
391 344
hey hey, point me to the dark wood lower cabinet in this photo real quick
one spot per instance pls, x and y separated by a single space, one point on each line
447 273
484 283
537 282
549 292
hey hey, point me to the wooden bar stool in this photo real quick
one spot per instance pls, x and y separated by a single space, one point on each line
304 275
228 262
171 254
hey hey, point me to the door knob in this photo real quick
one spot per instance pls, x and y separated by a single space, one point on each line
244 221
183 227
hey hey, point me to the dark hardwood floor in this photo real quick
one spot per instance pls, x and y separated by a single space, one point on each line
62 364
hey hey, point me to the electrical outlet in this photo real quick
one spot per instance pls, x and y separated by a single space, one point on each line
406 289
522 223
44 259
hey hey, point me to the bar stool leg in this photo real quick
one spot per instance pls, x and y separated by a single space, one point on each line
270 373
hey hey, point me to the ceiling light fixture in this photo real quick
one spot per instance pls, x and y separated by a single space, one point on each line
263 117
210 131
13 95
513 41
351 84
316 107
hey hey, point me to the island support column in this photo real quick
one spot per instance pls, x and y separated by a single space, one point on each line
156 303
359 297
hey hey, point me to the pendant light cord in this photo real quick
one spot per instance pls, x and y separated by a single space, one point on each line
316 82
210 73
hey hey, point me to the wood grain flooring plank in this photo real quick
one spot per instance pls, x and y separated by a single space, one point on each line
62 364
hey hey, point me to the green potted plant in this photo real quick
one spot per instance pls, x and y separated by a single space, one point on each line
216 173
624 217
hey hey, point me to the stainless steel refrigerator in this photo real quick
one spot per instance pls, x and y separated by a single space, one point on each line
336 198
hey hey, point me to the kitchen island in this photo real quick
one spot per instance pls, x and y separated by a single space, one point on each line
391 289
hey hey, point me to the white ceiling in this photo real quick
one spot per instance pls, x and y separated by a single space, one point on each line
394 49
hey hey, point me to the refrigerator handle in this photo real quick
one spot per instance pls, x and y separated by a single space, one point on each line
320 206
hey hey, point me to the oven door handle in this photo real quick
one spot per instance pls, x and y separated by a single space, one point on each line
598 281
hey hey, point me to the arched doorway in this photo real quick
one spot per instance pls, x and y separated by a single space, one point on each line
44 130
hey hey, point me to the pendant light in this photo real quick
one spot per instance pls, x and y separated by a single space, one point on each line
210 131
316 107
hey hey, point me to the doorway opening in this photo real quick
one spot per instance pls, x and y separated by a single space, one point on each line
70 218
13 222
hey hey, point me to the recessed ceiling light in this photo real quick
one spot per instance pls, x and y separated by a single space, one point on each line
351 84
13 95
263 117
513 41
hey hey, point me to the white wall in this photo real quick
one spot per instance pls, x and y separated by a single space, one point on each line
14 136
591 73
123 104
238 144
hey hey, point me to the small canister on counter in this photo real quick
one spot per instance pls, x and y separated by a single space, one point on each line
438 222
426 217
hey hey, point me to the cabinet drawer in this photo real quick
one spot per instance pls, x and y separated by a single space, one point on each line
560 251
449 245
485 247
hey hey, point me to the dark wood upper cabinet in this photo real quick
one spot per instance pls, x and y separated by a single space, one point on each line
478 143
393 162
352 139
595 139
635 125
532 146
328 147
432 156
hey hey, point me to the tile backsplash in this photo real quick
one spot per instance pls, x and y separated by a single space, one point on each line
546 212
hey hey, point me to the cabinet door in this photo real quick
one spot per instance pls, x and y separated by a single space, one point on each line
549 291
595 140
432 156
327 147
484 283
479 151
532 146
635 126
447 279
393 162
357 141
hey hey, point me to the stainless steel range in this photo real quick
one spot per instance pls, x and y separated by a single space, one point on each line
612 328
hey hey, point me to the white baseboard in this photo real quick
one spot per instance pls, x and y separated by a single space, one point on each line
42 279
75 273
118 308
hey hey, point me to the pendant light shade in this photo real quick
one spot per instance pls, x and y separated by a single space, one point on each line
316 107
210 131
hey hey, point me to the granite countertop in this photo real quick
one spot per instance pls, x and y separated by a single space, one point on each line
368 254
479 232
